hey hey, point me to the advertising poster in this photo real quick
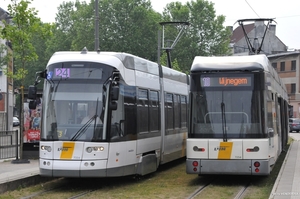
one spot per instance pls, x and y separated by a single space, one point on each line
32 123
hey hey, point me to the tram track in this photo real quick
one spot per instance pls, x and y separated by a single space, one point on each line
237 184
242 191
170 181
43 194
62 186
39 193
74 189
81 195
201 188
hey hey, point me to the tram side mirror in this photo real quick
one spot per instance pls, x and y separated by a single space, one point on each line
114 93
32 104
43 74
114 96
113 105
32 90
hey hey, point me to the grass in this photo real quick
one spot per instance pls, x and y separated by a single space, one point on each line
169 182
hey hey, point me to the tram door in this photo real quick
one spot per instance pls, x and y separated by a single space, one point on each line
278 126
271 122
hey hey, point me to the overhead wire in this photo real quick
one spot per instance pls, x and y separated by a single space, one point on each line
252 8
281 17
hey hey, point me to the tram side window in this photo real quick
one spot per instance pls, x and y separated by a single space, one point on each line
176 111
169 111
269 110
130 109
183 108
142 110
154 111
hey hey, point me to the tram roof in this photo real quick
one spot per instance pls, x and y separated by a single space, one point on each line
230 63
238 63
115 59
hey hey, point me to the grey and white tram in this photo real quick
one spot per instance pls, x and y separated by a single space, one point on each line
238 116
139 118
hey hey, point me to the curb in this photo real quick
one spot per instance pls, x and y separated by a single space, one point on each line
24 182
280 173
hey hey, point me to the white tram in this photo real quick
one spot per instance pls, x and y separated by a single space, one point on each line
238 122
142 109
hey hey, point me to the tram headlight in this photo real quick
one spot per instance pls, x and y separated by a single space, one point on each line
95 148
100 148
46 148
89 149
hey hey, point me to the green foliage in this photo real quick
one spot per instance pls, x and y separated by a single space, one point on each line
21 33
3 58
64 31
124 26
175 65
206 35
25 25
129 26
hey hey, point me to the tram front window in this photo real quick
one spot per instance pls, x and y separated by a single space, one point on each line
66 107
235 113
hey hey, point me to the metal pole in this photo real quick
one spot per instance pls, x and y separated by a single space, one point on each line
7 102
158 46
97 48
17 144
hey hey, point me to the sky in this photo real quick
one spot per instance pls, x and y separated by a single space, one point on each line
286 13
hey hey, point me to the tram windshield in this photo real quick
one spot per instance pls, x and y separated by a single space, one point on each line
72 103
223 112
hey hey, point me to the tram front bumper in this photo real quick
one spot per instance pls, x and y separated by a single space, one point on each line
228 167
62 168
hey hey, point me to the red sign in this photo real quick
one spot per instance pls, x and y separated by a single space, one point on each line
33 135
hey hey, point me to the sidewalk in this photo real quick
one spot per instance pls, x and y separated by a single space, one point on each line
287 184
10 171
12 175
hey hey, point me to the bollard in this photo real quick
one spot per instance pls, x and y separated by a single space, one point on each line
17 144
17 160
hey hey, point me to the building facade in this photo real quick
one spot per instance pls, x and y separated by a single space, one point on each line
6 83
288 67
271 44
286 63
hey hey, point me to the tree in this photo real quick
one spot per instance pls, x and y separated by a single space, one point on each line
125 26
63 30
129 27
40 43
25 25
164 62
206 35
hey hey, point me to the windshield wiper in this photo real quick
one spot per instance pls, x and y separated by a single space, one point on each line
223 121
96 115
83 129
242 123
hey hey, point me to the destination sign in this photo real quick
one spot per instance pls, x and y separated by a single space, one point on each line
223 81
75 73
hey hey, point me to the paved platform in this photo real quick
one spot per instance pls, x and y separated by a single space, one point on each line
11 171
287 185
13 175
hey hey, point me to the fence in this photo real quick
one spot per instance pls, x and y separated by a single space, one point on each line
9 144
